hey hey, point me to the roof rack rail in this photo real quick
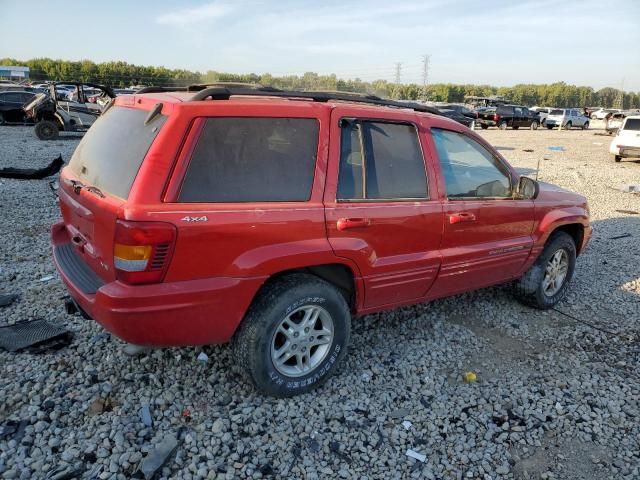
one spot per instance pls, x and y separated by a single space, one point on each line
155 89
198 87
223 93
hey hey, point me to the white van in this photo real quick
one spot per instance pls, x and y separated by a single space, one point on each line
626 144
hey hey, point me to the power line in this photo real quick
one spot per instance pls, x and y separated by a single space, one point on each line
398 71
425 74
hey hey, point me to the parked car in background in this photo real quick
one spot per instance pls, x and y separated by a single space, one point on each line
320 207
541 113
463 109
514 116
457 116
11 103
566 118
614 122
124 91
601 113
626 143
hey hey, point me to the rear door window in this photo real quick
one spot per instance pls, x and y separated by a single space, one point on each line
111 152
250 159
381 161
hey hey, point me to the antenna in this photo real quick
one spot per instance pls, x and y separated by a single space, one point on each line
398 71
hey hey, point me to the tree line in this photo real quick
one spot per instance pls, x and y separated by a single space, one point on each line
123 74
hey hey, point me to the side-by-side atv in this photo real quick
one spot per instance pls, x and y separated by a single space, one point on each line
56 110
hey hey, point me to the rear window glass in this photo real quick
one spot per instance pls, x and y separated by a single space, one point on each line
557 112
252 160
111 152
632 124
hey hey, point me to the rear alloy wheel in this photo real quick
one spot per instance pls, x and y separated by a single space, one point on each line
585 126
294 335
546 282
503 125
46 130
534 125
567 126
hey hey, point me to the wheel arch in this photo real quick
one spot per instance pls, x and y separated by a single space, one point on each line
574 230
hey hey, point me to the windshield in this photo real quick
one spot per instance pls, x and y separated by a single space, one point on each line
111 152
632 124
557 112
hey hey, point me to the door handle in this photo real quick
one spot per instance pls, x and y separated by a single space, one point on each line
461 217
346 223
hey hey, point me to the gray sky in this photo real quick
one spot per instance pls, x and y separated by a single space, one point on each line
591 42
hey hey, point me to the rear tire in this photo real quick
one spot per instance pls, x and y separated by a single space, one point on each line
46 130
537 287
585 126
270 342
515 127
503 125
567 126
550 127
534 125
483 126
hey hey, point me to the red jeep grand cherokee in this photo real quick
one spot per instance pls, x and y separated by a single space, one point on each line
272 218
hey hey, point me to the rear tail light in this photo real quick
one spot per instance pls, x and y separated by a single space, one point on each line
496 117
142 251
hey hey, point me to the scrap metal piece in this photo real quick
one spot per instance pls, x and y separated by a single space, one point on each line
158 457
7 299
418 456
34 333
33 173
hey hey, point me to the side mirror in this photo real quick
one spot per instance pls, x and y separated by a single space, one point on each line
528 188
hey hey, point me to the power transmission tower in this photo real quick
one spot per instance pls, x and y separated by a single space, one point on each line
425 75
619 102
398 71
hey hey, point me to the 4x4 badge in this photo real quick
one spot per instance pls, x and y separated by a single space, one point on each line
194 219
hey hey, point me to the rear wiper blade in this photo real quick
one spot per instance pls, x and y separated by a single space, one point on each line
95 190
77 186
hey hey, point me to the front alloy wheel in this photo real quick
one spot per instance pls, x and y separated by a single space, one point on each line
555 273
546 282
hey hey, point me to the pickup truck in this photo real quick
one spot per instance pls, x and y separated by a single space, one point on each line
504 116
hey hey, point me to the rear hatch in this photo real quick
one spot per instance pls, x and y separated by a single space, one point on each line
96 184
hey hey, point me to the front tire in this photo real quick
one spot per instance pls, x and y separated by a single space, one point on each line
534 125
617 158
483 126
585 126
546 282
550 127
294 336
567 126
46 130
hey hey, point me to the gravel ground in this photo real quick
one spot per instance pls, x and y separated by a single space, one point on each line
556 396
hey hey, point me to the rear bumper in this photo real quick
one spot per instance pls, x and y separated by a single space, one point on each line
488 123
195 312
